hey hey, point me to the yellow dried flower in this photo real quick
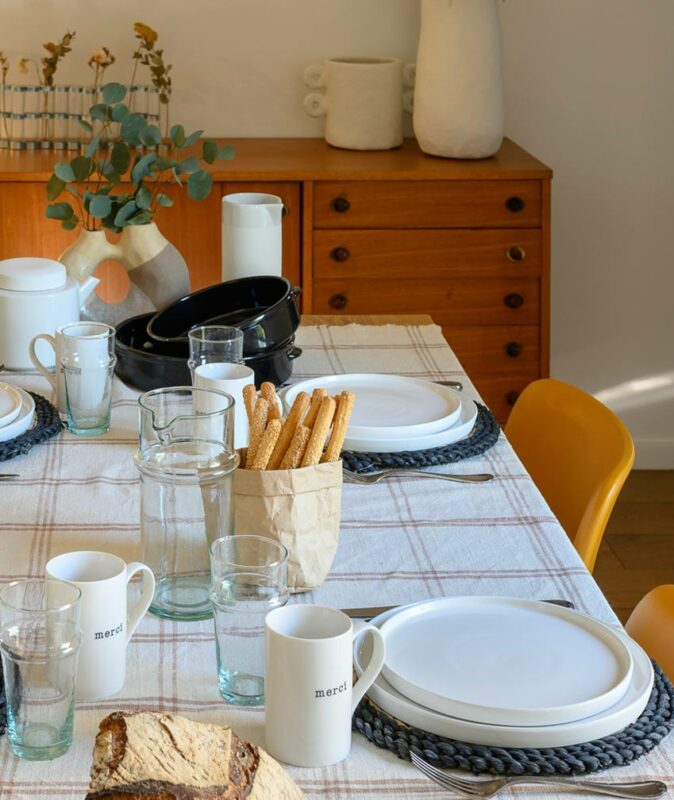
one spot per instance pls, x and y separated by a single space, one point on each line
145 33
101 56
22 64
51 47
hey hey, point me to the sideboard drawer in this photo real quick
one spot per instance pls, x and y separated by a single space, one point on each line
427 204
450 302
427 253
501 393
496 349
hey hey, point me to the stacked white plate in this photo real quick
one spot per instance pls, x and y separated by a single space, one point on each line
507 672
16 411
393 413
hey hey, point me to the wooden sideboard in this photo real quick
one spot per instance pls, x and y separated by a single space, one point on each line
389 232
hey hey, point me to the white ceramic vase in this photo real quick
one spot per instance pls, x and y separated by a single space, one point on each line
158 273
252 237
458 96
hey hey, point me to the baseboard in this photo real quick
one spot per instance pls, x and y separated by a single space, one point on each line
654 453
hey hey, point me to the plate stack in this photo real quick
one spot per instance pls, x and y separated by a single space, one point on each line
17 409
507 672
394 414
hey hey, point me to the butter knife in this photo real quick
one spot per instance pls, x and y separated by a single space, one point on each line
374 611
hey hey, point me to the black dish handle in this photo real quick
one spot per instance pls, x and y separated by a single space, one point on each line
294 352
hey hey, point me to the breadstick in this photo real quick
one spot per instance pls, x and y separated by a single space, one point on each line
268 391
250 399
297 412
342 416
314 451
316 397
257 427
295 451
243 452
267 444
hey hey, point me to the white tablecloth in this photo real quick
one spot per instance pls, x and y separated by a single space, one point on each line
401 540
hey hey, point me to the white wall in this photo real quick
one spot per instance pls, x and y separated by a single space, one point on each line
589 91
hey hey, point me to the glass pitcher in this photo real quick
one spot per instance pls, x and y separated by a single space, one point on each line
186 461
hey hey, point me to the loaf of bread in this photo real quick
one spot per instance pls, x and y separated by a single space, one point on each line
150 756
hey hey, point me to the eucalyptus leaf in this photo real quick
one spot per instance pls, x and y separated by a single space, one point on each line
64 172
163 163
210 151
226 153
178 135
92 147
82 167
61 210
113 93
150 136
54 187
141 168
120 112
142 218
120 158
100 206
144 197
73 191
199 184
164 200
188 166
85 124
124 213
70 224
192 138
101 111
131 127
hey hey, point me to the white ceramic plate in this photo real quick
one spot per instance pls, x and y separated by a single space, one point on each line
23 421
388 406
505 661
10 404
614 719
459 430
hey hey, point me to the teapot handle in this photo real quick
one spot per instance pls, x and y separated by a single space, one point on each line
39 366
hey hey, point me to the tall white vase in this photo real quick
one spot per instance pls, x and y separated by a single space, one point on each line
251 235
458 96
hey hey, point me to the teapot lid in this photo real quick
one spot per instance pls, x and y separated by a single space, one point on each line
31 274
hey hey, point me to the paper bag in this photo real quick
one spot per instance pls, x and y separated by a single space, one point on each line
300 508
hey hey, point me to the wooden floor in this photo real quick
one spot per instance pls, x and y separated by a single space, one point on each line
638 548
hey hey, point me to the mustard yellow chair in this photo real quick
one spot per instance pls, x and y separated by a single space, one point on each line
578 453
652 625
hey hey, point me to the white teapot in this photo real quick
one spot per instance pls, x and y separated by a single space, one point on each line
36 296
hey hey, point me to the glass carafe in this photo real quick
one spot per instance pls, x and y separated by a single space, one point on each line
186 461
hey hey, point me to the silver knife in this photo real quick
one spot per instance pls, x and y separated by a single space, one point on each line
375 611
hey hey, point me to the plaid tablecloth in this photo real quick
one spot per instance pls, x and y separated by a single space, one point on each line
401 540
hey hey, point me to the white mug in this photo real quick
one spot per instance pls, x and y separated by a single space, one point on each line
231 379
309 696
91 341
106 629
251 235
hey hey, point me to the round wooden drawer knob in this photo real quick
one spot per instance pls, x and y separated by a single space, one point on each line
515 204
338 301
514 349
341 205
516 253
340 254
513 300
511 398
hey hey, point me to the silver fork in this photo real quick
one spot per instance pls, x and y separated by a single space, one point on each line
488 788
477 477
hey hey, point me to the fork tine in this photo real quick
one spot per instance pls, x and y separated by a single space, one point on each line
469 790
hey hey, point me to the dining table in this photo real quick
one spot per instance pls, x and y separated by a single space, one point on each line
401 540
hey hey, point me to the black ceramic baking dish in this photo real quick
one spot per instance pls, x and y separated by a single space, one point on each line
263 307
146 365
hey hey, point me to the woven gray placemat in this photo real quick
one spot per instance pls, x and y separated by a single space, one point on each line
47 424
629 744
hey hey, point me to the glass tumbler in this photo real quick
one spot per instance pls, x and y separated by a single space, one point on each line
249 578
186 461
88 397
39 639
214 343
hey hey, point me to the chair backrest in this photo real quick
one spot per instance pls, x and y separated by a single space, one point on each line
578 453
651 624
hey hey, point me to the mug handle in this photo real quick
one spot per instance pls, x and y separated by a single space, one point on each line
39 366
314 76
374 667
145 598
316 104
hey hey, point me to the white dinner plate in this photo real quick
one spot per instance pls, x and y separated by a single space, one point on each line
10 404
626 711
505 661
459 430
388 406
23 421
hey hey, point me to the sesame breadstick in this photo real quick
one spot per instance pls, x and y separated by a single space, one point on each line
268 391
316 397
267 444
250 399
257 427
314 451
342 416
295 451
297 412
